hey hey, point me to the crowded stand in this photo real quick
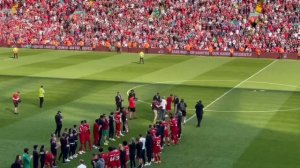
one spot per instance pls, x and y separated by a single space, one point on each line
219 25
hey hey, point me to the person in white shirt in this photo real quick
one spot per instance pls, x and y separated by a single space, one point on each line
143 141
163 104
81 164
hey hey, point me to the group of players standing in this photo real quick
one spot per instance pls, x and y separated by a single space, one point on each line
145 149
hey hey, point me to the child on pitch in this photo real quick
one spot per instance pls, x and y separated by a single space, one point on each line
16 100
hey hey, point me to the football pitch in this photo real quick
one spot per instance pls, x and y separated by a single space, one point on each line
251 120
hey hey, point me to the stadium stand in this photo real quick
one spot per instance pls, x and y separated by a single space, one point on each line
177 24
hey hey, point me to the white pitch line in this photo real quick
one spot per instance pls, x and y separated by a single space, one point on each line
255 111
239 84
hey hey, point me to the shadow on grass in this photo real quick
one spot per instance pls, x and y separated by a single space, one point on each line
9 110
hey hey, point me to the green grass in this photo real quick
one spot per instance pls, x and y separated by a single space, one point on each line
253 125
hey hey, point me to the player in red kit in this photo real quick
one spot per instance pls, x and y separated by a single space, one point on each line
49 159
157 148
113 158
118 124
152 130
82 136
131 107
96 133
104 157
87 135
169 103
166 132
16 100
174 130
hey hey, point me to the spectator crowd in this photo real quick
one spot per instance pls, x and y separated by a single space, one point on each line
176 24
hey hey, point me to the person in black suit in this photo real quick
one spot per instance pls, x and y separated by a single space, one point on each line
156 97
58 121
118 100
35 155
149 146
199 112
132 153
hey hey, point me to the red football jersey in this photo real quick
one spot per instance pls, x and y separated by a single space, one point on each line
96 128
132 102
49 159
117 118
166 130
173 125
16 97
87 129
114 158
82 130
105 158
157 144
153 132
169 103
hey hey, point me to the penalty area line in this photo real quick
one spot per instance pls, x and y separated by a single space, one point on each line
239 84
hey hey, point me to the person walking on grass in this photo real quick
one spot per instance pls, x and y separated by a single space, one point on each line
16 100
41 96
199 112
155 108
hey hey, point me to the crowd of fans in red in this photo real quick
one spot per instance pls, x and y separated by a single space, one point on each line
196 24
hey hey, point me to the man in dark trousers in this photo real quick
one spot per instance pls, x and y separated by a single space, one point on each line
149 146
58 121
118 100
175 103
35 155
41 96
199 112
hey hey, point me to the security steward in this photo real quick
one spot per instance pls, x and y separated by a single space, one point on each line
142 55
199 112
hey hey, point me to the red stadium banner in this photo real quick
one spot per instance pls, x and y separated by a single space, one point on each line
164 51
